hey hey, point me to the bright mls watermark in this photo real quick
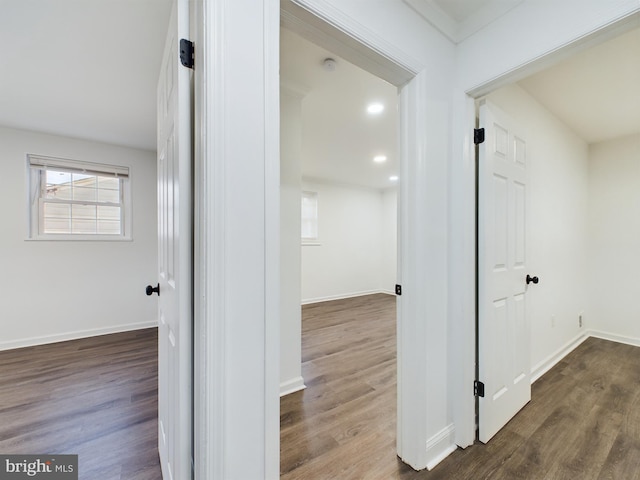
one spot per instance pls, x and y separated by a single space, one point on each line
49 467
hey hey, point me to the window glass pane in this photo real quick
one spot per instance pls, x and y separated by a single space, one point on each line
57 178
108 189
83 212
109 227
83 219
108 213
57 210
84 194
57 225
109 183
84 187
83 180
83 226
58 185
57 218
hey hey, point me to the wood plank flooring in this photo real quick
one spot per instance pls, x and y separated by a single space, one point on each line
583 421
95 397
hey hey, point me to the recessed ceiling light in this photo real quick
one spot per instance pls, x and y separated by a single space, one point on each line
375 108
380 158
393 178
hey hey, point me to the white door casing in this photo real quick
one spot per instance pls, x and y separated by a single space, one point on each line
503 325
175 302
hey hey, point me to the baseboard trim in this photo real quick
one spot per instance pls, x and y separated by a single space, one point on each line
343 296
440 446
615 338
63 337
293 385
548 363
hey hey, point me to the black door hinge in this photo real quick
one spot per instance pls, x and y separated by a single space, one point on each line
478 388
398 289
186 53
478 136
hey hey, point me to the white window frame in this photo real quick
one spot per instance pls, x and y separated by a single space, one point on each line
37 166
311 240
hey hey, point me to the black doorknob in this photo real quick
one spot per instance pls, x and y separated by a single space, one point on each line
532 279
151 289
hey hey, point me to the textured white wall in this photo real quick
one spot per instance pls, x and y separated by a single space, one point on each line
353 229
558 201
614 238
57 290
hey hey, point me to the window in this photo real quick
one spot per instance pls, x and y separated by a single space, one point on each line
71 200
309 217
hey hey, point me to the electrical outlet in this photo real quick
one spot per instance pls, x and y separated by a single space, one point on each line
580 321
553 321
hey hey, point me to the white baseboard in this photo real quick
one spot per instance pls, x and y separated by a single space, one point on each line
62 337
615 338
440 446
293 385
330 298
548 363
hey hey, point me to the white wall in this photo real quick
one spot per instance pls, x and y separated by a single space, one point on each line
532 30
558 186
290 290
57 290
354 255
614 239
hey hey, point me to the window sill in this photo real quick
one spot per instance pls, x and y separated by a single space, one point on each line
79 238
311 244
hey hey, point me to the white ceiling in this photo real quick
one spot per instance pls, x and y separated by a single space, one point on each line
340 138
458 19
596 92
82 68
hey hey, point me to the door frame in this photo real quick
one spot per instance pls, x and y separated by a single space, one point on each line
463 184
217 449
329 28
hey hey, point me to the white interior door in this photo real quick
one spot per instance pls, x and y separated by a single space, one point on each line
175 309
503 326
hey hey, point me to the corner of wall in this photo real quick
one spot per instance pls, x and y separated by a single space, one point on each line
75 335
548 363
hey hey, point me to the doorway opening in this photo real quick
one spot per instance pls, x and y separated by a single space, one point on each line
339 172
578 154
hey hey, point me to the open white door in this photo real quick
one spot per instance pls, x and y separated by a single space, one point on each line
175 302
503 327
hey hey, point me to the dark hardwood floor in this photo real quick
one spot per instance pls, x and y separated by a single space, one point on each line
583 421
95 397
